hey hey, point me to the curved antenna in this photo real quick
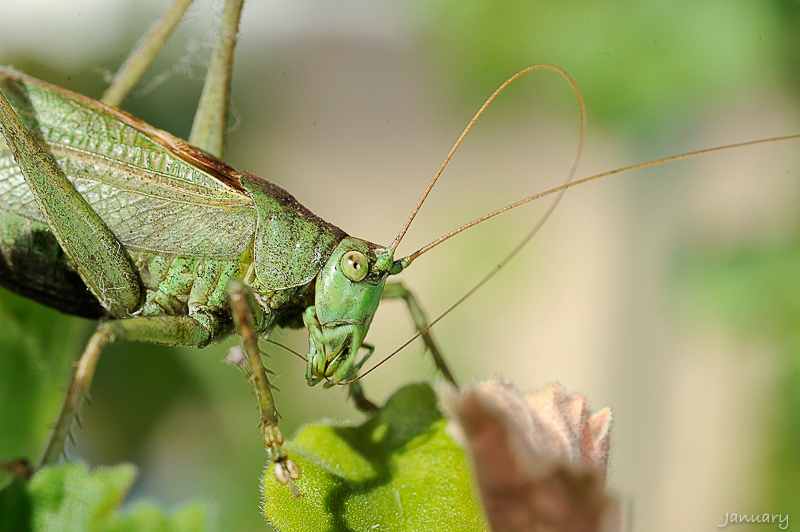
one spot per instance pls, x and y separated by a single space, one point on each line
570 174
285 348
501 88
680 157
561 189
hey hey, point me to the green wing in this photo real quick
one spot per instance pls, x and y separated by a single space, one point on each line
154 191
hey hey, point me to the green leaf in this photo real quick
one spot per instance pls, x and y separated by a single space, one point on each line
151 517
397 471
70 497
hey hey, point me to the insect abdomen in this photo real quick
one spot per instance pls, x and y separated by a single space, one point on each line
33 265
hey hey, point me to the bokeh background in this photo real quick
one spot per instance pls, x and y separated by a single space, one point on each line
670 294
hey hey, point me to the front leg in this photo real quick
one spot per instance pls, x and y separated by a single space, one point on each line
399 291
354 389
246 312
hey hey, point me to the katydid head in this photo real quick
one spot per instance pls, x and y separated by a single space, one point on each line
348 291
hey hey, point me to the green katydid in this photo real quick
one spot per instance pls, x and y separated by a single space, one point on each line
148 282
135 282
94 204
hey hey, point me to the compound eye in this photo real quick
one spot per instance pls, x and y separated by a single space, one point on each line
355 266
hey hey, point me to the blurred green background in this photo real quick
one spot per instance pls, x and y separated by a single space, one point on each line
669 294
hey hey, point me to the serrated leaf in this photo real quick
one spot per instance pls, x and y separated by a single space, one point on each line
70 497
398 471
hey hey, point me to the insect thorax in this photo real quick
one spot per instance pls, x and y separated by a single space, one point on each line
196 287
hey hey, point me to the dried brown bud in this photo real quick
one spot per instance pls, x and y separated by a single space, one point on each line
540 460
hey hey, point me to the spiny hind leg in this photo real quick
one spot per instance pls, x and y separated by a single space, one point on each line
210 126
141 57
399 291
78 389
168 330
246 312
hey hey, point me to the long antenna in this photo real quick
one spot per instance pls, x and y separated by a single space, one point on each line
559 189
571 184
483 107
285 348
570 174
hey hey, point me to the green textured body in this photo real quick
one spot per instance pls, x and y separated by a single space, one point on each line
188 222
